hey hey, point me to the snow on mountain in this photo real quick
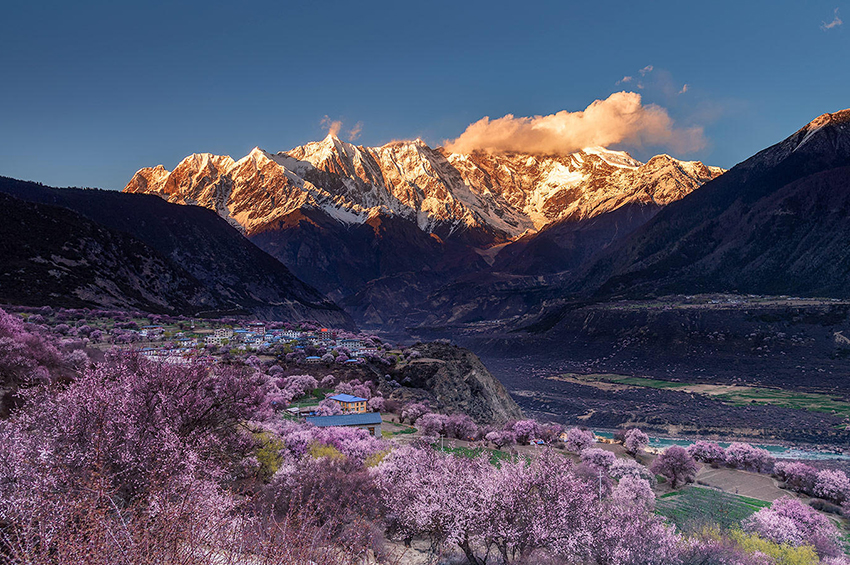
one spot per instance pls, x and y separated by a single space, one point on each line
442 192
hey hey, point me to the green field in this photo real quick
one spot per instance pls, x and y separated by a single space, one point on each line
693 508
496 456
734 394
405 429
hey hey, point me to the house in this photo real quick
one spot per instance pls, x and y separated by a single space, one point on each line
215 340
371 421
349 403
240 334
257 328
349 344
224 333
313 359
151 331
291 334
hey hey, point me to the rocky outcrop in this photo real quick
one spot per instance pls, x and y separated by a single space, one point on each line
454 380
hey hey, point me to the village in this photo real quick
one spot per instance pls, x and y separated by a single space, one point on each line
169 344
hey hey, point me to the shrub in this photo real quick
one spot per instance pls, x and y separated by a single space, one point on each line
269 455
320 450
776 552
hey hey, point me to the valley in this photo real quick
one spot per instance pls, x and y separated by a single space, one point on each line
391 283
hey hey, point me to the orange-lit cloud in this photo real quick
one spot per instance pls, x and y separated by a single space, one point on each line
621 119
354 133
333 126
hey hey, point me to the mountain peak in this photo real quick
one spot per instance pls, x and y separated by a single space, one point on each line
831 123
840 117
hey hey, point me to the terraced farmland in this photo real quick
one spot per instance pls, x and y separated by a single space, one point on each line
693 508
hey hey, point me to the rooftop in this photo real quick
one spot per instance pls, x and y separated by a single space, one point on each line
345 420
346 398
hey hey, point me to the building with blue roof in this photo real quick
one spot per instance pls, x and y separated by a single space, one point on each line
371 421
349 403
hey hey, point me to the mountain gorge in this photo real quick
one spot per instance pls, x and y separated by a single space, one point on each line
381 229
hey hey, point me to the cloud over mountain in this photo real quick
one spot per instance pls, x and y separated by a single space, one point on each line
621 119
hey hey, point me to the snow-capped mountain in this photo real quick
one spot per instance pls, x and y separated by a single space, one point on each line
443 193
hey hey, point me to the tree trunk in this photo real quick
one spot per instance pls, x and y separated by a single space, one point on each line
470 555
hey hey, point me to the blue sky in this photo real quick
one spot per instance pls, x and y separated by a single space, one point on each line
93 91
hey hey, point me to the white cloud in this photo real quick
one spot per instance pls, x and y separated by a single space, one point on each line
836 21
621 119
685 88
624 80
646 70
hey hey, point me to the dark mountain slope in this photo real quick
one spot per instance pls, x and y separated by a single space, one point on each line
569 244
777 223
51 255
340 259
528 272
238 275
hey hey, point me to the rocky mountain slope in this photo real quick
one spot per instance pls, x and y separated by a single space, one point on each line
151 255
380 228
775 224
51 255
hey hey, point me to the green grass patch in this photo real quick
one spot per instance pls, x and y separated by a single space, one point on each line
405 430
694 508
305 401
737 395
496 455
812 402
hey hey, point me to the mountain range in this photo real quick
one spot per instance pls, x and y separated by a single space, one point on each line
380 229
406 236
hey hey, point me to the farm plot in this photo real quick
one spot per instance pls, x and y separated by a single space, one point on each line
735 395
693 508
